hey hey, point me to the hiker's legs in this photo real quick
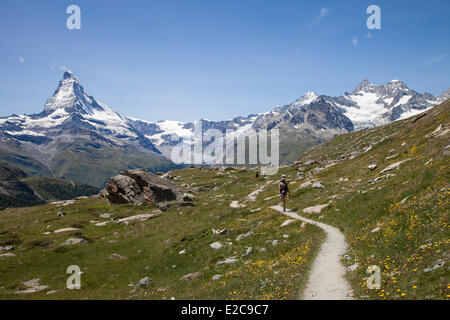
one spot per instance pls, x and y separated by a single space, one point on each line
283 199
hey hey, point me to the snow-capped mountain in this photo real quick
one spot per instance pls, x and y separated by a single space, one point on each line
76 131
311 118
75 127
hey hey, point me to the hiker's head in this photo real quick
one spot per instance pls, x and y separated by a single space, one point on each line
283 178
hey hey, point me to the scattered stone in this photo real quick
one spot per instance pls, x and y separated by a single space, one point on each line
105 215
227 261
394 165
439 264
216 245
116 256
316 209
303 226
372 167
216 277
72 241
52 291
288 222
6 255
262 250
182 251
244 235
66 230
60 214
247 253
353 267
101 224
347 257
285 236
275 243
219 232
6 248
188 197
375 230
191 276
33 286
145 282
235 205
139 217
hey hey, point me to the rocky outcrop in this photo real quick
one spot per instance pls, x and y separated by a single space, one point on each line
140 187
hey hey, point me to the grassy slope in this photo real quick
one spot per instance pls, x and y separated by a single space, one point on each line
359 207
152 247
85 163
58 189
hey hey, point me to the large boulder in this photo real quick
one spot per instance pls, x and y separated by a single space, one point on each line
138 187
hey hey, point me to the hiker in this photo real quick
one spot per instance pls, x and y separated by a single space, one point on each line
284 191
257 175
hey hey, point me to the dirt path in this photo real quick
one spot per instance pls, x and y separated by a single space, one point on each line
327 277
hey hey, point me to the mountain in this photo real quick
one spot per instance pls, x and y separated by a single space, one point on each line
309 120
385 189
18 189
76 137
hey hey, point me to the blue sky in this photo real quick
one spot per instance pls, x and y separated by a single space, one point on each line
184 60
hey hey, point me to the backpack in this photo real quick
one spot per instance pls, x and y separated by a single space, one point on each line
283 188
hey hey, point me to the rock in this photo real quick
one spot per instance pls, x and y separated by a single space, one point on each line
439 264
52 291
188 197
288 222
216 245
6 248
66 230
6 255
247 253
262 250
316 209
139 217
116 256
72 241
105 215
375 230
236 205
101 224
372 167
275 243
244 235
219 232
145 282
227 261
216 277
347 257
394 166
303 226
60 214
317 185
191 276
285 236
404 200
353 267
182 251
138 187
33 286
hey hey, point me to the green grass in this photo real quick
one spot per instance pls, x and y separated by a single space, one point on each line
152 247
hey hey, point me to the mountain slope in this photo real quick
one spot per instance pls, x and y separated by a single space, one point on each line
17 189
309 120
76 130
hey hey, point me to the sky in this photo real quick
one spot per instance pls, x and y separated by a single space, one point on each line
191 59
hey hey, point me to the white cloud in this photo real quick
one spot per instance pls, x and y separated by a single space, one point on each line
436 59
21 59
355 41
368 35
322 14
